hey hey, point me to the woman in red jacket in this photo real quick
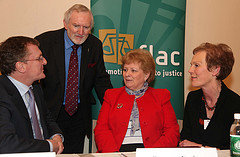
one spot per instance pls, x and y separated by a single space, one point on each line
136 115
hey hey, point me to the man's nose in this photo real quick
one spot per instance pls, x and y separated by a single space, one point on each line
44 61
80 30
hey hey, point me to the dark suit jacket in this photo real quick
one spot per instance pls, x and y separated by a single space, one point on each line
16 133
217 134
92 73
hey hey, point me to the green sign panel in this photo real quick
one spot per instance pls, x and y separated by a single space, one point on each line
155 25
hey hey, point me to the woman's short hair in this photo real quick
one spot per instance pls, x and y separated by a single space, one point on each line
78 8
145 59
219 55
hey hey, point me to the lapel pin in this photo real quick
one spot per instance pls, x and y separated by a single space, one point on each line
119 106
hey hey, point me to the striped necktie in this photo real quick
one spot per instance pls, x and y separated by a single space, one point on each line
35 122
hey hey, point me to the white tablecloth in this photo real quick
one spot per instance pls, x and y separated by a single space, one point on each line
221 153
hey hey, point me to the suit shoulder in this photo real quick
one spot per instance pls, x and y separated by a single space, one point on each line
159 91
231 98
2 83
231 93
194 96
6 89
194 99
195 93
115 91
50 35
93 39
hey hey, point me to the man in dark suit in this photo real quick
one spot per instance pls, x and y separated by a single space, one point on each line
71 104
25 122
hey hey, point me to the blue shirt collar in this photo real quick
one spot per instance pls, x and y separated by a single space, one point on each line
68 42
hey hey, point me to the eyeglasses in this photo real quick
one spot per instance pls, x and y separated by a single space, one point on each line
40 59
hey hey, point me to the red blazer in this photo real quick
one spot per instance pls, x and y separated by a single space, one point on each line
157 119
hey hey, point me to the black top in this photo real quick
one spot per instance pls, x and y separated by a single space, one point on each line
217 134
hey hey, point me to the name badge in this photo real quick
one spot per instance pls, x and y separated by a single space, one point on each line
176 152
206 122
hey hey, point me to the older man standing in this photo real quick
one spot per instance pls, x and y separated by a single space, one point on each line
25 122
75 67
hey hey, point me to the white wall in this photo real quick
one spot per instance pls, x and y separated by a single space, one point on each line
206 21
32 17
215 21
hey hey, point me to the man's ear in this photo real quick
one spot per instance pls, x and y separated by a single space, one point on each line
20 67
65 24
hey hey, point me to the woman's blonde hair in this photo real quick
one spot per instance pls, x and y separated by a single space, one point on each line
144 58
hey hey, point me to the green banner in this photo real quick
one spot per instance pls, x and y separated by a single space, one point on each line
155 25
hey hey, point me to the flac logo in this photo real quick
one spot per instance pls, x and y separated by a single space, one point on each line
115 46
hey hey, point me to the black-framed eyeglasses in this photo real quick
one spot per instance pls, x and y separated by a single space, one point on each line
40 59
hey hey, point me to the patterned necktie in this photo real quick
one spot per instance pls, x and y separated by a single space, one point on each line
71 101
35 122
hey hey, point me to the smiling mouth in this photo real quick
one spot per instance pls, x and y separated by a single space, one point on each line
79 36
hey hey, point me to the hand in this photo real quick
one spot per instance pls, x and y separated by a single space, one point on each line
60 143
57 144
186 143
57 138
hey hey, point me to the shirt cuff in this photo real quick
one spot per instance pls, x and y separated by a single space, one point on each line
59 135
50 143
51 146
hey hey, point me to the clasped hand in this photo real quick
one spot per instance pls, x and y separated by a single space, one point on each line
57 144
186 143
